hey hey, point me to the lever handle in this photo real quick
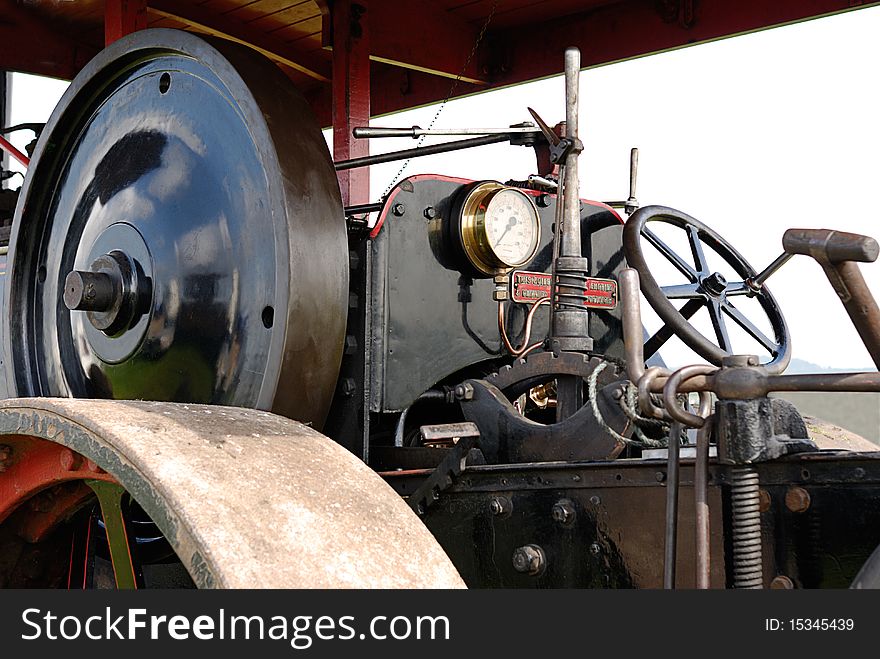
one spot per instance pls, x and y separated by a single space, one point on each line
830 246
838 253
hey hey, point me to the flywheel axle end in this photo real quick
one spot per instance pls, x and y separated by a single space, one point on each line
89 291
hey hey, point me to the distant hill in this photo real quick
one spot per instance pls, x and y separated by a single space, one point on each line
857 412
803 366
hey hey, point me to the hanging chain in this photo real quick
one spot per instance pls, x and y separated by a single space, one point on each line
452 89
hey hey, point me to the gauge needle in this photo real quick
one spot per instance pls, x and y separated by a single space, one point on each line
510 224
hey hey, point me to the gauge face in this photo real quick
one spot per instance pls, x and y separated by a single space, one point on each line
499 227
511 227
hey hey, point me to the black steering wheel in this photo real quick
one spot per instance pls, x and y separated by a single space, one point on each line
705 288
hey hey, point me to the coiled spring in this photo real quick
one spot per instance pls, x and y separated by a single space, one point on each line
571 289
746 525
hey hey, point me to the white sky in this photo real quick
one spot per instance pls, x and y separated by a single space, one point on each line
751 135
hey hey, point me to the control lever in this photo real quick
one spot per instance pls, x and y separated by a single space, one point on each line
632 204
839 254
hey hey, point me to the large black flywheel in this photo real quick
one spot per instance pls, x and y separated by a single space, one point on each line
180 237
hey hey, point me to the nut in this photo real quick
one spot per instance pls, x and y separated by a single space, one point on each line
529 559
464 391
781 582
563 512
797 499
398 209
500 506
70 461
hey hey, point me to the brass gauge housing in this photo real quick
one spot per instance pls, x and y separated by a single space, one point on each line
499 227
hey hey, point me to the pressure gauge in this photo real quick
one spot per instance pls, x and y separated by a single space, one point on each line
500 228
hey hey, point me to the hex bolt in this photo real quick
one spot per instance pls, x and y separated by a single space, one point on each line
543 200
595 548
659 476
529 559
464 391
89 291
430 213
595 500
398 209
70 461
781 582
351 345
5 457
797 499
563 512
500 506
714 284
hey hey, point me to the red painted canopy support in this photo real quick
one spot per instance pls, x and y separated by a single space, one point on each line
351 95
123 17
9 148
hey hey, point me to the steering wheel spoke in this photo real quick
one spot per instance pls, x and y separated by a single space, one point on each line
697 250
740 319
738 288
680 264
683 292
665 333
719 326
704 287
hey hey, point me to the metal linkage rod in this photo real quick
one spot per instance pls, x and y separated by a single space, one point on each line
416 131
418 152
670 547
571 234
633 335
570 320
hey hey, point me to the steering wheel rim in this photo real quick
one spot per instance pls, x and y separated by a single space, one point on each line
705 289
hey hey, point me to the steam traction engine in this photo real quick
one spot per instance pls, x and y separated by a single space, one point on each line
217 375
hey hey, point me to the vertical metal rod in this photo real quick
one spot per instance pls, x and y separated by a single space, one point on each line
557 239
671 506
571 233
633 334
633 171
701 495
